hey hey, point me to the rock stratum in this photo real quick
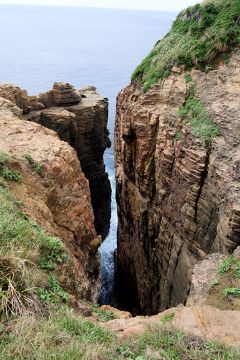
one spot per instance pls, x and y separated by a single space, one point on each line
80 118
47 179
178 193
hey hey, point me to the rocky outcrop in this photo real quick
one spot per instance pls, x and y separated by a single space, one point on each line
201 321
178 199
53 190
80 118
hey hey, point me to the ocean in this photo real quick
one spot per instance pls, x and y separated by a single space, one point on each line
82 46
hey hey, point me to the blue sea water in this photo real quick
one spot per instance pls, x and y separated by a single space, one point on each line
43 44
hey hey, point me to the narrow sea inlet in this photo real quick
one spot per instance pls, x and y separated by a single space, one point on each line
104 48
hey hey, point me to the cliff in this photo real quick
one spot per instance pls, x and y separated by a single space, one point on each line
177 159
41 180
79 118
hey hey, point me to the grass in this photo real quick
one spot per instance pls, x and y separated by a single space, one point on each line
10 175
226 265
37 320
66 335
35 165
224 291
62 335
104 315
198 37
193 113
27 253
30 259
168 317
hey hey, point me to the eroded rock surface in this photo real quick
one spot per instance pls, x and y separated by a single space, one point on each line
177 199
203 321
54 191
80 118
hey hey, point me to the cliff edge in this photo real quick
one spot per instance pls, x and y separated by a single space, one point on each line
177 157
80 118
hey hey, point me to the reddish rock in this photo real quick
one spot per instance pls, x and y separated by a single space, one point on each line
203 321
177 200
57 197
79 118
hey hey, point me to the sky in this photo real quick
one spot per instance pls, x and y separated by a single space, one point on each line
162 5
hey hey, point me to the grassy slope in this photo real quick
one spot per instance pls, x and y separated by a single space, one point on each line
37 318
199 35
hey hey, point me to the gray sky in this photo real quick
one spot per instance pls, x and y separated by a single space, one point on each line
171 5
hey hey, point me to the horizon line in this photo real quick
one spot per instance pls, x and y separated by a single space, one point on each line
86 7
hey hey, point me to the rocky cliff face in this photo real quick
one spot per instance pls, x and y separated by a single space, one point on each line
53 190
178 196
79 118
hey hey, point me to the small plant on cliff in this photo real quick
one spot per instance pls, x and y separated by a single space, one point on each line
53 292
214 283
28 157
38 168
53 253
198 37
226 265
10 175
104 315
234 291
166 318
35 165
194 113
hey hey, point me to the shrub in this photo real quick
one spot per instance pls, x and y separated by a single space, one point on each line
199 35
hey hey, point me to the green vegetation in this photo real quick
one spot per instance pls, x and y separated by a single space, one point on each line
38 320
178 136
198 37
27 254
53 253
65 335
234 291
226 265
194 114
167 317
38 168
35 165
104 315
54 294
29 158
224 291
165 344
214 283
22 247
62 335
10 175
7 173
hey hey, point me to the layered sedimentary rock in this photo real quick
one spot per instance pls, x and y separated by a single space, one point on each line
53 190
80 118
178 199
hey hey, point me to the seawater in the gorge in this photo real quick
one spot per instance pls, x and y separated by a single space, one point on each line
101 47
